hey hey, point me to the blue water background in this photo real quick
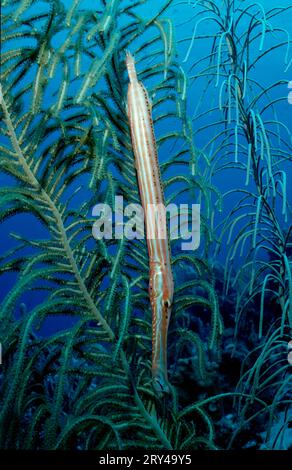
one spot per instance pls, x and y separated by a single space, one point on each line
267 71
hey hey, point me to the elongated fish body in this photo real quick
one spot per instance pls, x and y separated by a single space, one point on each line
151 194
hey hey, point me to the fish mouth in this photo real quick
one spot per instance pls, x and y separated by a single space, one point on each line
129 57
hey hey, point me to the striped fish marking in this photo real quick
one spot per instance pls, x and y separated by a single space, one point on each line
151 195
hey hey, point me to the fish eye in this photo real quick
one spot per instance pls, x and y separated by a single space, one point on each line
166 303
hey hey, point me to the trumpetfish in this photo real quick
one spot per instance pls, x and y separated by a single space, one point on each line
152 196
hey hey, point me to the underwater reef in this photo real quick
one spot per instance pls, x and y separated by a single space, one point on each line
75 318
